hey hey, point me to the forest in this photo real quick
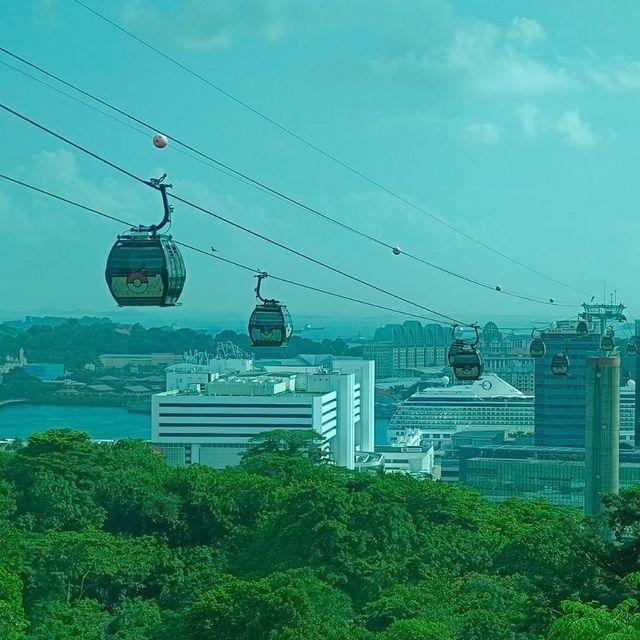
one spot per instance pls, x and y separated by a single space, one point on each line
75 343
110 543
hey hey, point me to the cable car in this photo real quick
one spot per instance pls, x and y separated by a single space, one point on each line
455 347
144 267
270 323
582 328
467 363
537 347
607 343
560 364
632 348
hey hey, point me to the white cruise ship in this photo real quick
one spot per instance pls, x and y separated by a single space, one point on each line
439 412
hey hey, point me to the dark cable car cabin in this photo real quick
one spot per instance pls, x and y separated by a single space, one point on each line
560 364
632 348
467 363
537 347
607 344
270 323
582 328
145 268
455 348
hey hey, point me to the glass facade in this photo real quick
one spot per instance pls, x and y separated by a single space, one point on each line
560 402
561 481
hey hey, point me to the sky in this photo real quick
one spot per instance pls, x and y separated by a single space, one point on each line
516 122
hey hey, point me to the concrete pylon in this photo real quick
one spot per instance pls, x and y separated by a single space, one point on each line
602 443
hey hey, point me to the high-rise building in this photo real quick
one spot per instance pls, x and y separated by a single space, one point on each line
560 401
602 446
637 407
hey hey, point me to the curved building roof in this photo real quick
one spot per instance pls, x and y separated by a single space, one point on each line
412 333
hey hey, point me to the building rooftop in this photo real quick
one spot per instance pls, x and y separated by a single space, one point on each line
479 433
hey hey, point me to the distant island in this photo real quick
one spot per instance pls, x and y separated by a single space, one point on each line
96 362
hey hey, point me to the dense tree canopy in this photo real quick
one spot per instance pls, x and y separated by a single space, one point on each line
109 543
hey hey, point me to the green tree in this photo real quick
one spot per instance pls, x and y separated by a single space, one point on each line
551 547
134 491
418 629
591 622
296 442
55 477
285 606
135 620
84 620
69 566
13 621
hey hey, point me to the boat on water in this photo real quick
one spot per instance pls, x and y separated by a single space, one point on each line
141 406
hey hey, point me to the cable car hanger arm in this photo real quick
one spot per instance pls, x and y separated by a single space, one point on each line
261 276
158 183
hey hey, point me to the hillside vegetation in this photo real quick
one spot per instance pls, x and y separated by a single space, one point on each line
111 543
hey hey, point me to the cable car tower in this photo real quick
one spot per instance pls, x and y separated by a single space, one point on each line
601 314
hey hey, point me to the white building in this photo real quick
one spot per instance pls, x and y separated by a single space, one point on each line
363 391
407 455
414 460
209 417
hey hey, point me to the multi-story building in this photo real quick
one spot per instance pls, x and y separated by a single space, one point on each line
438 413
411 349
628 413
560 402
637 373
555 473
507 355
450 459
364 372
210 418
400 349
412 460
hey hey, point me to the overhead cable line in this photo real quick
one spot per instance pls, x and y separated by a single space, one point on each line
215 256
231 222
326 154
88 104
247 179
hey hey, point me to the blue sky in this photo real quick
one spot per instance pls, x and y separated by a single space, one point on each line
515 121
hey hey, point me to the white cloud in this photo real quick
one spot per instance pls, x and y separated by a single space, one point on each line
518 75
620 75
575 130
569 125
483 133
525 31
59 170
471 44
486 59
529 118
202 25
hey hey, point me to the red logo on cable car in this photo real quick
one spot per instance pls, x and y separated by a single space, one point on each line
138 282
